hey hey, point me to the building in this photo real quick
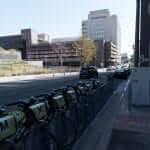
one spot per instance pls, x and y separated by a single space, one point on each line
12 42
111 54
106 54
100 53
85 28
32 37
66 39
42 38
27 38
124 58
101 25
35 46
119 59
54 54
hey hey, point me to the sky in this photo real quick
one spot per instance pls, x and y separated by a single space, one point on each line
62 18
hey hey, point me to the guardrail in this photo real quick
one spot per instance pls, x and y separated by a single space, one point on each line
52 121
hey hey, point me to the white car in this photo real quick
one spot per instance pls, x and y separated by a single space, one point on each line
111 68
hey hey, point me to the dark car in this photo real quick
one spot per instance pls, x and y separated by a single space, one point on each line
88 72
122 73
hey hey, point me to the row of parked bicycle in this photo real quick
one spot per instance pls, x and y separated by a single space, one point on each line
17 120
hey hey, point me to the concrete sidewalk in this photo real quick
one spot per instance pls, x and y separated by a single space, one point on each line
97 135
36 77
41 76
102 70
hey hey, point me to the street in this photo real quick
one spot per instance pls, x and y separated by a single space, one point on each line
20 90
14 91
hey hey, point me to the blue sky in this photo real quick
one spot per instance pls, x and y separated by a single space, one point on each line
62 18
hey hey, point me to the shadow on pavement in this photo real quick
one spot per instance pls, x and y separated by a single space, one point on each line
128 140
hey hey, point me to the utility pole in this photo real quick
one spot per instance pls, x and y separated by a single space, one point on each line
145 32
140 77
137 34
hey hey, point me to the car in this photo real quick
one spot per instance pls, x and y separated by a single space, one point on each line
88 72
110 68
118 67
122 73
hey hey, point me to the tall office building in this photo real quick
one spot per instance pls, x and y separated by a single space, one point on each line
101 25
85 28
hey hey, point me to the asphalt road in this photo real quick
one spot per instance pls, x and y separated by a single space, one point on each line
20 90
14 91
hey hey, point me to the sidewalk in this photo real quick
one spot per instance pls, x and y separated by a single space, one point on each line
131 127
35 77
97 135
102 70
40 76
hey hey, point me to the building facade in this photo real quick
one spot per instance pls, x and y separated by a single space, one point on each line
106 54
36 47
85 28
62 54
101 25
124 58
42 38
65 39
12 42
111 54
100 53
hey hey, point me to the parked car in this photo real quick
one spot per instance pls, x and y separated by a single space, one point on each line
110 68
122 73
88 72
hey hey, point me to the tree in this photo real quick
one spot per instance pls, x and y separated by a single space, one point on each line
86 49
